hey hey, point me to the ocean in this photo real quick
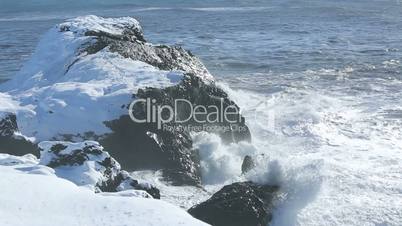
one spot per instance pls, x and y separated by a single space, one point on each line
319 83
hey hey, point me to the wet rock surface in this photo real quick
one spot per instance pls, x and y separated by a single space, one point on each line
8 125
238 204
11 141
170 147
248 164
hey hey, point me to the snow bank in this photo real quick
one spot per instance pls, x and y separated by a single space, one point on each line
32 199
7 104
11 160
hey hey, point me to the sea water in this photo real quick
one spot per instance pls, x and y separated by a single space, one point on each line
318 81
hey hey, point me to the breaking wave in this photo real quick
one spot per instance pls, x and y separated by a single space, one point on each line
331 150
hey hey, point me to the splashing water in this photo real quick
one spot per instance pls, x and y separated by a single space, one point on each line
336 149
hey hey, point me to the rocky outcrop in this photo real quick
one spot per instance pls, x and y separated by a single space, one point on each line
238 204
169 150
170 147
85 92
86 164
144 145
127 39
126 182
11 141
132 44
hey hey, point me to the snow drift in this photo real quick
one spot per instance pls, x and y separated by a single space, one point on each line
32 194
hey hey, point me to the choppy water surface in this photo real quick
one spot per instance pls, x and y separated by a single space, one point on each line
331 71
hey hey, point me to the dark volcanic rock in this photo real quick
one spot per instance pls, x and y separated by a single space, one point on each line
136 150
87 164
10 141
238 204
247 165
132 44
8 125
170 148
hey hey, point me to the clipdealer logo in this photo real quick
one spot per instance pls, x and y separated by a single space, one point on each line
162 114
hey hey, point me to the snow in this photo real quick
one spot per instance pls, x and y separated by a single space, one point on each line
128 193
63 91
113 26
34 199
182 196
10 160
9 105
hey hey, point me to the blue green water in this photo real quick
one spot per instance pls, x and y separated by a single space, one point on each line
231 37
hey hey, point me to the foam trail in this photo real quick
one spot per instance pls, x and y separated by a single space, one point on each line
228 9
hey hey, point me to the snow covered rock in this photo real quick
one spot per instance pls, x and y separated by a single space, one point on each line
130 43
126 182
67 92
86 71
86 164
238 204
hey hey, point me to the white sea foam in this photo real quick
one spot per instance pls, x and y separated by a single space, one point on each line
220 163
228 9
337 159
